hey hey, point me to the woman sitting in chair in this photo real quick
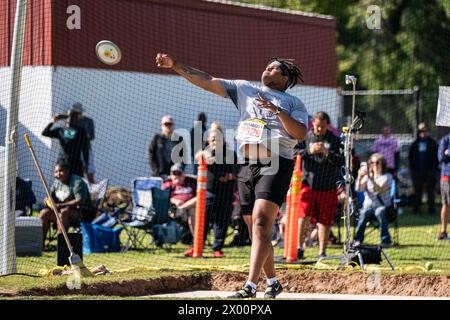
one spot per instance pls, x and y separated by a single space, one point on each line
375 182
71 197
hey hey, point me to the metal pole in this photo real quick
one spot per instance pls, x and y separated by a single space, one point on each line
7 246
353 101
348 172
416 95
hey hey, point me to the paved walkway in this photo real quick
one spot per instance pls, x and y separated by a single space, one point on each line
293 296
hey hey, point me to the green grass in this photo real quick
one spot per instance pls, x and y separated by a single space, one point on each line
418 244
417 238
25 283
154 258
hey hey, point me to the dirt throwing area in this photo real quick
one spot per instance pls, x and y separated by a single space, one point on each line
293 281
346 283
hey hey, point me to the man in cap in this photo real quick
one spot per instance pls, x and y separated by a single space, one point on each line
161 146
88 125
424 163
73 139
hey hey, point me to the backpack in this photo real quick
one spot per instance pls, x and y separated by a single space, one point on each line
168 232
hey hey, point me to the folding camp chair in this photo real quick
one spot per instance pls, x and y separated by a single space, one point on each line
99 235
396 203
97 192
163 230
140 218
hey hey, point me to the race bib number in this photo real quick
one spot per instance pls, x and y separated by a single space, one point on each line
251 130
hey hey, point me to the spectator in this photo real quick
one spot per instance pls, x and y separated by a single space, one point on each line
388 146
72 199
444 159
241 236
88 125
183 197
161 147
73 139
376 183
200 125
220 187
423 163
322 160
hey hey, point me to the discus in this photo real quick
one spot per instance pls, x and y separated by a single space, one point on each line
108 52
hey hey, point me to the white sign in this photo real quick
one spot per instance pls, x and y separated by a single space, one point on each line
443 107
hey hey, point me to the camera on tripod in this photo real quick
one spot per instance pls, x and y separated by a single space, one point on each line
349 79
364 254
358 122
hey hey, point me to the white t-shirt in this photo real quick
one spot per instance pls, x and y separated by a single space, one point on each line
244 95
370 196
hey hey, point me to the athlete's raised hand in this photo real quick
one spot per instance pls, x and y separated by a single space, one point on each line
163 60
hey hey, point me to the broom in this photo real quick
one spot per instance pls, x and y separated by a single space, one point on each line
74 259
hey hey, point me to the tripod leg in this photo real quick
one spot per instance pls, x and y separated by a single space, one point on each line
361 261
339 231
388 259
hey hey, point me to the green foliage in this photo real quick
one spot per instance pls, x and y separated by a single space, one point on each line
412 48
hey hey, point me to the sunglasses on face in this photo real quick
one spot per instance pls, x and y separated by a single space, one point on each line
177 173
375 162
168 124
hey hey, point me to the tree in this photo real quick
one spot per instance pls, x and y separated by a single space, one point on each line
411 48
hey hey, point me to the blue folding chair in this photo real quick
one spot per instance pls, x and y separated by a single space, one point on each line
165 231
144 214
393 218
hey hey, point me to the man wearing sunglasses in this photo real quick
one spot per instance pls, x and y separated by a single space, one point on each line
322 160
161 147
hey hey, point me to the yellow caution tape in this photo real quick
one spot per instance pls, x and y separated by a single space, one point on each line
351 266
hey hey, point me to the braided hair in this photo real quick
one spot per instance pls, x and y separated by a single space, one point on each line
289 69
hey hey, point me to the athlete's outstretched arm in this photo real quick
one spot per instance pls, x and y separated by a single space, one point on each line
197 77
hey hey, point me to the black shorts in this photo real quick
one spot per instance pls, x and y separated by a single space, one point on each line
254 184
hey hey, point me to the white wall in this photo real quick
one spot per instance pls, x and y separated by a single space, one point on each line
127 108
34 113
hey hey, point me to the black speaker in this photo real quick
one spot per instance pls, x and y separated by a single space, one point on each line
76 239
